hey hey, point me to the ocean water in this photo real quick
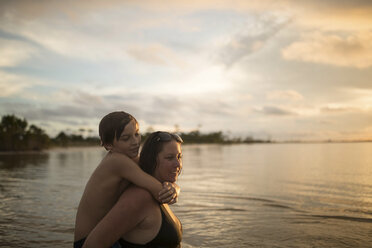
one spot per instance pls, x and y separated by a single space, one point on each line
261 195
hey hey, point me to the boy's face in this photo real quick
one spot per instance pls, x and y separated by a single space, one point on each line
129 141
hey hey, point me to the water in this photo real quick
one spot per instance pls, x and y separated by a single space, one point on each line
270 195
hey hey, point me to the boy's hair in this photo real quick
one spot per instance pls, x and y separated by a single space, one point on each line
112 125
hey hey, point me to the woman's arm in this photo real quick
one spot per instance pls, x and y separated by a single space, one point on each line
130 209
127 169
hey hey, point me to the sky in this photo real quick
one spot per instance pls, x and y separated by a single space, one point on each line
283 70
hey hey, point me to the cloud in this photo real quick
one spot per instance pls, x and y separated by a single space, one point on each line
40 8
13 52
284 95
275 111
252 39
68 115
156 54
104 39
360 98
67 39
61 113
88 98
11 84
211 107
68 106
7 89
76 9
153 60
73 43
334 15
353 101
65 30
350 51
161 111
158 111
147 55
338 109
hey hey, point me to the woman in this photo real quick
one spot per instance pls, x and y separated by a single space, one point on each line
137 219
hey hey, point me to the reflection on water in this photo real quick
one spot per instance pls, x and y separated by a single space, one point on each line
278 195
16 161
39 195
308 195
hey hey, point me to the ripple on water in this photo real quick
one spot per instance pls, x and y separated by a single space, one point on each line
232 196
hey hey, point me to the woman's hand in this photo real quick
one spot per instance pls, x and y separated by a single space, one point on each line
169 193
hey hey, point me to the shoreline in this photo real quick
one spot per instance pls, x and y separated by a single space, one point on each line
194 143
47 149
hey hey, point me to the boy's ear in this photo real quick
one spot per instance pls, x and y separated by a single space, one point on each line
108 147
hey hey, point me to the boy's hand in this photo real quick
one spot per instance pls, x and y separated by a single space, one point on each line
169 193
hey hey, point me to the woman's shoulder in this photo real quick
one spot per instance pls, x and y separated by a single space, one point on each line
137 194
137 201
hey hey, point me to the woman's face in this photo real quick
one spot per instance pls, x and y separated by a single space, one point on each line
129 141
169 162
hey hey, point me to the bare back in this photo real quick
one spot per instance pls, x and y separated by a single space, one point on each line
101 192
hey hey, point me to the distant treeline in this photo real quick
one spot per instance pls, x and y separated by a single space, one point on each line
17 135
196 137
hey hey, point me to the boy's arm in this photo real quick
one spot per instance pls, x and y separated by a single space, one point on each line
127 169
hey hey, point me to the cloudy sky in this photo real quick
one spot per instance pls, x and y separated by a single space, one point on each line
284 70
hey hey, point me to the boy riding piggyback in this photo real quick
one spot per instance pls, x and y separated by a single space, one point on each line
119 133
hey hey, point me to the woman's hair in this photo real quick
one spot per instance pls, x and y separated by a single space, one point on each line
152 146
112 125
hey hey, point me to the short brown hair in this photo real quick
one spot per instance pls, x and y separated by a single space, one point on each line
112 125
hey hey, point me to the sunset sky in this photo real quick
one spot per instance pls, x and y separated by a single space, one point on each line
285 70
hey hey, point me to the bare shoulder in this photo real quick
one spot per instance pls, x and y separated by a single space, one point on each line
116 159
